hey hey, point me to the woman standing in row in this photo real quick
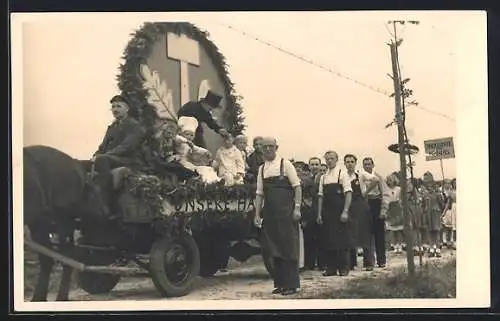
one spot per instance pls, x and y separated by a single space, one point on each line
334 201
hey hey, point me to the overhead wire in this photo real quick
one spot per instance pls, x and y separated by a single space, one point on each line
311 62
329 69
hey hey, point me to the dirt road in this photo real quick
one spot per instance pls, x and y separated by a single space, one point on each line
247 281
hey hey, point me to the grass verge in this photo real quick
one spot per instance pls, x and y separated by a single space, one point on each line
434 280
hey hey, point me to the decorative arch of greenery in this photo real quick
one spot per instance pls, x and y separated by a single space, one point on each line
139 48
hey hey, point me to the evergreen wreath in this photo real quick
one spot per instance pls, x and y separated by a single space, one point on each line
140 47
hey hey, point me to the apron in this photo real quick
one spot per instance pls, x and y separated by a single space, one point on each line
336 234
280 233
359 212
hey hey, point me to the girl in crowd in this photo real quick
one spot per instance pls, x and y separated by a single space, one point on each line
416 214
359 216
334 201
449 216
393 211
229 159
432 209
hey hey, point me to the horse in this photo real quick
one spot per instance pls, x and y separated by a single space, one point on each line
57 192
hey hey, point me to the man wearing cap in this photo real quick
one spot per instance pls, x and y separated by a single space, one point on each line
201 111
120 146
279 198
254 160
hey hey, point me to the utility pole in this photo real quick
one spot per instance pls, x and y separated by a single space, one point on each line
402 146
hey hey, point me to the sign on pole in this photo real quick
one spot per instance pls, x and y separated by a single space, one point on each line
441 148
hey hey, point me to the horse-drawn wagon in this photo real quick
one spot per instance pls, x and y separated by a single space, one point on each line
171 236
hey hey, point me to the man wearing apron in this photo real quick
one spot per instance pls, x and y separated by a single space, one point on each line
279 198
360 216
334 200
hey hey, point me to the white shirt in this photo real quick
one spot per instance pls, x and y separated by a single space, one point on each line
333 176
367 179
272 169
352 177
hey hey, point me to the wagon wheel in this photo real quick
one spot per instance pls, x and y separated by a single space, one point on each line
97 283
174 264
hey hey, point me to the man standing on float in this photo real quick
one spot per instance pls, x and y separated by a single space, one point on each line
279 191
201 111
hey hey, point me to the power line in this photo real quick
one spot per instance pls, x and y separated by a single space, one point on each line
311 62
329 69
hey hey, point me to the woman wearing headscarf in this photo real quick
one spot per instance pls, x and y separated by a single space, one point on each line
334 201
360 216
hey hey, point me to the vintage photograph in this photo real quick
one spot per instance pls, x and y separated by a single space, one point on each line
249 156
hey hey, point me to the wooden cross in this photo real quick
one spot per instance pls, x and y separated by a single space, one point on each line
186 51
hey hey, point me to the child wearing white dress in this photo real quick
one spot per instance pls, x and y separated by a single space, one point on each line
191 156
449 216
229 160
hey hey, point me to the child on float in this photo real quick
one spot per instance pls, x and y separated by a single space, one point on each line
241 142
191 156
229 162
449 216
162 156
393 211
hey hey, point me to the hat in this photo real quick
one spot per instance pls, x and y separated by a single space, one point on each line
212 99
119 98
188 123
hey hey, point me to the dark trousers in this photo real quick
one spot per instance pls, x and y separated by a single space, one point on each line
368 257
311 247
286 274
338 261
378 230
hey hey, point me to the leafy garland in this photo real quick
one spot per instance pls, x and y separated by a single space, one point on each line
150 190
140 47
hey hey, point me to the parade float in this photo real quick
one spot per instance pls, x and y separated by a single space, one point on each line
172 235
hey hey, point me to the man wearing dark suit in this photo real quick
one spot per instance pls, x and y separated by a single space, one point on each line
201 111
254 160
121 147
121 144
311 230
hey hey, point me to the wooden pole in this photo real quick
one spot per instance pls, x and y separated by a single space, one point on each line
402 158
442 171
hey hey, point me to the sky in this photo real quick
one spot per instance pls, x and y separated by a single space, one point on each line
70 64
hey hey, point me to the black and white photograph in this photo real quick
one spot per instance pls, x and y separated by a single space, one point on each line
250 160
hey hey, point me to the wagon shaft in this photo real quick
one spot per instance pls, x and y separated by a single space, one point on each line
116 270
